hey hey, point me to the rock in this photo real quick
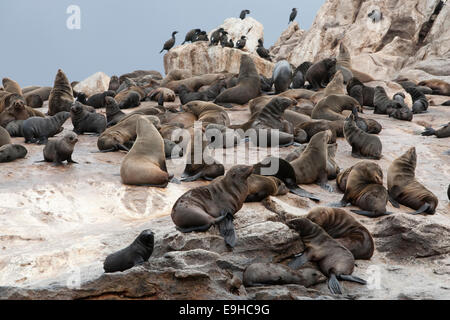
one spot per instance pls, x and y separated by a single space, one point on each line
287 41
200 58
286 292
96 83
404 236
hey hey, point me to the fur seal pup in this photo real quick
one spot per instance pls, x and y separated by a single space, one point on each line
345 229
38 130
128 99
364 145
190 35
98 100
292 15
5 138
59 150
335 261
393 108
34 101
248 86
260 187
244 13
331 107
344 59
405 189
299 77
335 86
313 127
311 165
84 121
402 112
138 252
266 274
145 163
285 172
320 73
114 83
420 102
282 76
61 96
11 152
364 188
263 52
266 83
200 208
11 86
14 128
213 91
363 94
169 43
439 87
113 112
443 132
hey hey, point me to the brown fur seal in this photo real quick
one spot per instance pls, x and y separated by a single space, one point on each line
167 94
342 177
27 89
128 99
196 82
11 86
176 74
313 127
34 101
443 132
405 189
5 138
14 128
248 86
260 187
207 112
345 229
38 129
330 108
321 73
336 86
364 188
311 165
18 111
420 102
364 145
59 150
11 152
201 207
145 163
266 274
43 92
8 99
334 260
84 121
363 94
114 83
439 87
344 60
393 108
61 96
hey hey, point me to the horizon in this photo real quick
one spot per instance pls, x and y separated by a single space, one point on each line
42 43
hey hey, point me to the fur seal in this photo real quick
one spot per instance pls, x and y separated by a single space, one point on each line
27 89
335 86
402 112
299 77
176 74
331 107
114 83
18 111
364 188
42 92
11 152
439 87
196 82
213 91
169 43
128 99
145 163
61 96
282 76
260 187
34 101
443 132
266 274
313 127
38 130
59 150
136 253
11 86
334 260
345 229
207 112
393 108
248 86
405 189
363 94
420 102
344 60
8 99
98 100
364 145
84 121
200 208
5 138
14 128
320 73
141 73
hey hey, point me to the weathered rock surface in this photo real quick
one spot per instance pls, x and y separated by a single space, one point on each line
96 83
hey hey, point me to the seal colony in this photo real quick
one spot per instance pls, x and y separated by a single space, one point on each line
317 103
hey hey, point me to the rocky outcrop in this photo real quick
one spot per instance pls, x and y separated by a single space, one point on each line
200 58
96 83
411 40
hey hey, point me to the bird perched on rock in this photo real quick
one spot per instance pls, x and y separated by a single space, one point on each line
375 15
224 39
169 43
263 52
202 36
215 37
240 44
191 35
244 13
293 15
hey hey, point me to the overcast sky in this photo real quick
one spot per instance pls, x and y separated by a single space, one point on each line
118 36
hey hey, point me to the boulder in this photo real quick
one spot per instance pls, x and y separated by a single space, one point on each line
96 83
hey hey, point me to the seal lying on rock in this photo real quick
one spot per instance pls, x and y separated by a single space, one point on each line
443 132
5 138
260 187
205 206
11 152
136 253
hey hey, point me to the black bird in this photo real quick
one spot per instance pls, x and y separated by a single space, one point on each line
244 13
202 36
224 39
240 44
263 52
215 36
293 15
169 43
191 35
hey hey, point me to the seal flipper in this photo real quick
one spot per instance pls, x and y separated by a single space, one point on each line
188 178
347 277
371 214
394 202
122 147
226 229
298 261
333 285
194 229
303 193
422 209
428 132
138 260
341 204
